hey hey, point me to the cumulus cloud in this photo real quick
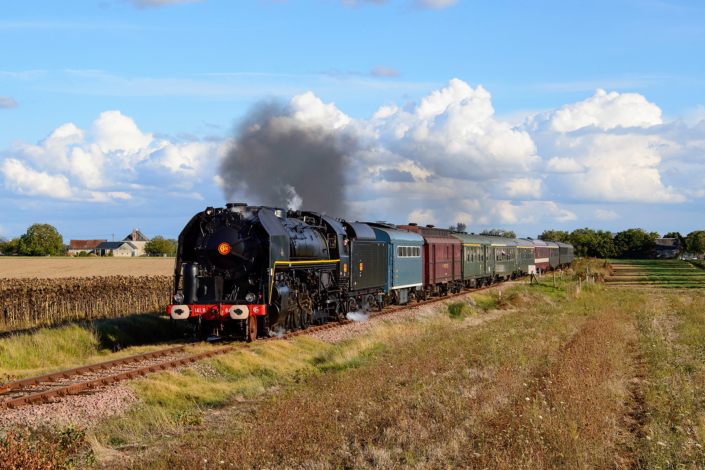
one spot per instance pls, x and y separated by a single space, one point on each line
606 111
7 102
435 4
564 165
142 4
24 180
107 162
442 159
447 156
382 71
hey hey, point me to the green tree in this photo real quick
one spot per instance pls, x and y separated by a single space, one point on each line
696 242
499 232
588 242
41 240
159 245
682 243
555 236
636 243
10 247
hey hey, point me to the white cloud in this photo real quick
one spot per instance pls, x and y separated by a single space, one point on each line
564 165
452 132
422 217
23 180
308 108
601 214
692 116
523 188
606 111
115 132
437 4
111 157
142 4
618 168
7 102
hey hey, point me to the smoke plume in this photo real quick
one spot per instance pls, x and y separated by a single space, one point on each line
282 160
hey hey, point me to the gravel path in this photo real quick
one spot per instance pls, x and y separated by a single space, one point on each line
83 408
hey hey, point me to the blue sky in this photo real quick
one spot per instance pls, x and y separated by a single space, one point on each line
183 73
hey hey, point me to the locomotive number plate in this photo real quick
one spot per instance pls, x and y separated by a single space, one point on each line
223 248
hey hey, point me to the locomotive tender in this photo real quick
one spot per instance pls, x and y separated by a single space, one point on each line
249 271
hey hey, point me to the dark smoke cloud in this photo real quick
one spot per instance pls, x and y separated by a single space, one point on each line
279 161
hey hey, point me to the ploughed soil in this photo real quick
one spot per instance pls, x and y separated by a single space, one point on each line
56 267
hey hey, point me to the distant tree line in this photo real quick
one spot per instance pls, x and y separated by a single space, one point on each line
40 240
634 243
44 239
160 245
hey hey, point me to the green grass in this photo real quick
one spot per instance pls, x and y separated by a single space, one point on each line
47 350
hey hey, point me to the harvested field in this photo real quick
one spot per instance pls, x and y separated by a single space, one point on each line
58 267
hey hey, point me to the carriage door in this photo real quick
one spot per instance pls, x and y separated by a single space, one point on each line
433 270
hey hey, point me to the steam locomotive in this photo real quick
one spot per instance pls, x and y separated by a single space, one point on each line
245 271
249 271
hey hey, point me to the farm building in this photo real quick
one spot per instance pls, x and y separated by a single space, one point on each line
667 247
89 246
121 248
138 239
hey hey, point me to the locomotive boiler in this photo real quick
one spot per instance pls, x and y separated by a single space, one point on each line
249 271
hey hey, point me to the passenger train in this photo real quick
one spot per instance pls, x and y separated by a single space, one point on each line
249 271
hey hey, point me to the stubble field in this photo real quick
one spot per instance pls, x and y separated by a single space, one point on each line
59 267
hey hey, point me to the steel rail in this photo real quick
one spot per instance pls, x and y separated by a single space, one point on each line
45 396
64 374
384 311
41 397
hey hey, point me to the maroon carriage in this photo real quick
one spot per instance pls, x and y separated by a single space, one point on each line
441 260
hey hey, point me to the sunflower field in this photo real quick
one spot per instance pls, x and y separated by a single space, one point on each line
30 303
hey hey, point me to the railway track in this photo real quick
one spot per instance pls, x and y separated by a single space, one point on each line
49 387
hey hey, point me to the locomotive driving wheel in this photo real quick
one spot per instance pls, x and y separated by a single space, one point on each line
251 334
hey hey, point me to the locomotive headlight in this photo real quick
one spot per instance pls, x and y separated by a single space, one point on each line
250 297
178 297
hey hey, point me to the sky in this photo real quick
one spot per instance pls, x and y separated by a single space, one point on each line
122 114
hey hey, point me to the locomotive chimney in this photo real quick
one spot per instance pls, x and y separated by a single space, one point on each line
236 207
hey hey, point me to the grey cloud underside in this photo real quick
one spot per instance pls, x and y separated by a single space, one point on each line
397 176
7 102
273 152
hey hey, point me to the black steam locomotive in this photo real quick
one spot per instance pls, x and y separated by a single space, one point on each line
248 270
